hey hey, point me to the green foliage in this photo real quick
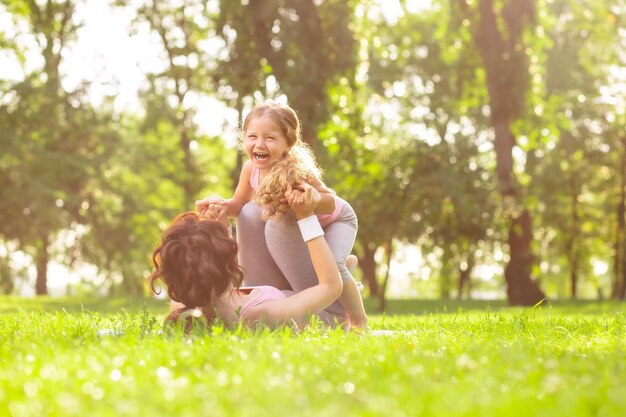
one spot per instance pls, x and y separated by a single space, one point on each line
181 30
397 112
305 46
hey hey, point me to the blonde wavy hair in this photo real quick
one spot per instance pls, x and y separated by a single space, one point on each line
296 167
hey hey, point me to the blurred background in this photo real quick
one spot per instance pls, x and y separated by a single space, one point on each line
481 142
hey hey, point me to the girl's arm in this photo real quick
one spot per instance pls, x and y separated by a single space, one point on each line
232 206
327 203
243 192
312 300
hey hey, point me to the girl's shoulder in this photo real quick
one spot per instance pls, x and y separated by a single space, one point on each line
247 166
246 171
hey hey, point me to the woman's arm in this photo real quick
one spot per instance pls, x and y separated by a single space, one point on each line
243 192
314 299
175 305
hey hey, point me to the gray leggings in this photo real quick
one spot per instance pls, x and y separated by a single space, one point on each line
273 252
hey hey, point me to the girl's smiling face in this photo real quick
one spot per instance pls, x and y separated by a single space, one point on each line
264 142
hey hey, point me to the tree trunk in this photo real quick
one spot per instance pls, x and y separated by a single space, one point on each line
382 290
573 277
7 284
367 263
574 261
521 288
447 269
573 244
41 285
234 174
572 249
507 76
464 277
619 283
131 284
191 174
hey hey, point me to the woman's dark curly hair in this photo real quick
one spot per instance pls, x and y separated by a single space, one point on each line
197 261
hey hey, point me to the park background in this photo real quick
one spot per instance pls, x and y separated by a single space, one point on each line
480 142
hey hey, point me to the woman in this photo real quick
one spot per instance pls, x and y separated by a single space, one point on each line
197 261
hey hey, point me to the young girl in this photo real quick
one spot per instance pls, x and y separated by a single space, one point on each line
197 261
277 157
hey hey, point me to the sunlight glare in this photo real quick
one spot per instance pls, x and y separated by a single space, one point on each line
599 267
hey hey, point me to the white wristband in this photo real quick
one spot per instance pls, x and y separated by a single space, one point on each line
310 228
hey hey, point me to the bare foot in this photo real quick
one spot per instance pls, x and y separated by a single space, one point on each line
358 324
351 262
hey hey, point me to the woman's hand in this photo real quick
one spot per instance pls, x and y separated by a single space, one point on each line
303 200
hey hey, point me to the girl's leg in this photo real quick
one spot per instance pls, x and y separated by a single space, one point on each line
290 253
340 236
257 262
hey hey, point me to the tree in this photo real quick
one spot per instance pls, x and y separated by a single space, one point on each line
420 90
498 31
180 28
53 141
566 164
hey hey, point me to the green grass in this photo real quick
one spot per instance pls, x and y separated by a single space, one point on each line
451 359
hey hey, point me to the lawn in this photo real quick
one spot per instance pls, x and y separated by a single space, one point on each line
71 357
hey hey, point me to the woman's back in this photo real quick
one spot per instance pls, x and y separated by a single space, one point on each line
259 295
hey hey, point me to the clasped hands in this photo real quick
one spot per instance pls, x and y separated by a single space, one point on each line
213 208
302 198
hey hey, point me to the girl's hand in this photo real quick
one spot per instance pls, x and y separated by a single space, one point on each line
214 204
303 200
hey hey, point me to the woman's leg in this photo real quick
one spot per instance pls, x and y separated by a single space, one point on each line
290 253
257 262
340 235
